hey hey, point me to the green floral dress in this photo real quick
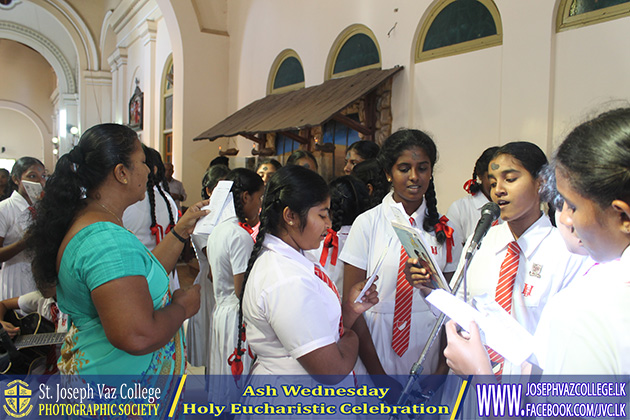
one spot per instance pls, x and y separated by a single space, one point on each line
99 253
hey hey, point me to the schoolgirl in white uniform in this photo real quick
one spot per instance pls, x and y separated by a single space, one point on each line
151 218
408 157
583 329
16 213
349 197
229 247
294 319
544 265
464 213
199 331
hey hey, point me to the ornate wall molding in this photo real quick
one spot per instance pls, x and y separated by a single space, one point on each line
47 48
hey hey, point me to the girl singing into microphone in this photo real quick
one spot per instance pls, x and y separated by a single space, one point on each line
523 262
583 329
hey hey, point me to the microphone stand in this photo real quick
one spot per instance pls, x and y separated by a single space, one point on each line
417 368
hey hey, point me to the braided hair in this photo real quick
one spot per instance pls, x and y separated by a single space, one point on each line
349 197
291 186
76 175
245 180
393 148
156 176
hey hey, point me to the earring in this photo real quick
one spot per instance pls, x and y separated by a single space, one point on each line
125 181
291 223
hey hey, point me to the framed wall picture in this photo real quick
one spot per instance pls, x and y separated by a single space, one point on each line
136 109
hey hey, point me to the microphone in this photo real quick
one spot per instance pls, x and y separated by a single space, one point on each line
489 213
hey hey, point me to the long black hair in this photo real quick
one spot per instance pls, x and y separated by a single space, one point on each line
371 173
245 180
77 173
291 186
595 158
157 179
393 148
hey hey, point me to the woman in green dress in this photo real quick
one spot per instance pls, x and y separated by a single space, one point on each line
123 318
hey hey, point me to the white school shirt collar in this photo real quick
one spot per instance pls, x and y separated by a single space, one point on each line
528 242
391 208
275 244
20 201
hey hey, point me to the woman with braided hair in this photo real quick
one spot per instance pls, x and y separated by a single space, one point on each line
349 197
124 320
229 247
464 213
295 322
393 333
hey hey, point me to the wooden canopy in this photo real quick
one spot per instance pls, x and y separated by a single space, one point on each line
308 107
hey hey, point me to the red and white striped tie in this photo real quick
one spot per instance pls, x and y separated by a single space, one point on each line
503 295
402 310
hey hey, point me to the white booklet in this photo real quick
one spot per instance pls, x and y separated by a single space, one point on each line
499 330
33 189
221 207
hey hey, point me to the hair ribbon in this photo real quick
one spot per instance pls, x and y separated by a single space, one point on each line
331 241
448 231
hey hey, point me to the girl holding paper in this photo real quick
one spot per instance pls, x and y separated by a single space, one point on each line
295 322
583 329
16 212
522 262
393 332
229 247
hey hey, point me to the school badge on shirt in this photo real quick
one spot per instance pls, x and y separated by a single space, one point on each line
534 272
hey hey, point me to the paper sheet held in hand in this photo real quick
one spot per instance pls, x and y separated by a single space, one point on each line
499 330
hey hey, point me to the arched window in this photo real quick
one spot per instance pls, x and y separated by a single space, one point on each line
355 50
286 74
167 112
458 26
576 13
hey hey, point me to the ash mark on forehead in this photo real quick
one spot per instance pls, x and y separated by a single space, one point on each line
494 166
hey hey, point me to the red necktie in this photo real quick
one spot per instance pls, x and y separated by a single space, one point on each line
402 310
503 295
319 273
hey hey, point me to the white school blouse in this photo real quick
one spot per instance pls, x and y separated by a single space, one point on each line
137 217
545 268
464 214
371 234
335 272
584 328
229 248
289 311
16 277
199 330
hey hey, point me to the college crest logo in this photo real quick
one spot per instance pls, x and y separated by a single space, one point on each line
17 399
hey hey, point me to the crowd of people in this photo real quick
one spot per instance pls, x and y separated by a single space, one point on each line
278 281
